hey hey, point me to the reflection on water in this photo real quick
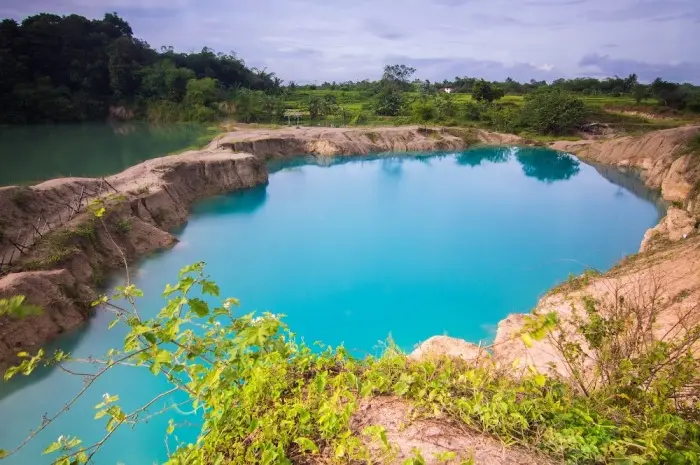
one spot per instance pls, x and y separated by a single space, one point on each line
543 164
476 156
547 165
37 153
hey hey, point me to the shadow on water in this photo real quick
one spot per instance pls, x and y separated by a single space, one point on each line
65 342
244 202
631 181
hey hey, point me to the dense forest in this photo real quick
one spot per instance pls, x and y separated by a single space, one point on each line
70 68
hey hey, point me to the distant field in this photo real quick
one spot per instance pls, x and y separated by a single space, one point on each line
623 114
353 99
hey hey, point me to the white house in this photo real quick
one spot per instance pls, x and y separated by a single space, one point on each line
447 90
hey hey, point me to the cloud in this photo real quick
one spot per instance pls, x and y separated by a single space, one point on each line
383 30
678 72
655 10
453 3
308 40
437 69
555 2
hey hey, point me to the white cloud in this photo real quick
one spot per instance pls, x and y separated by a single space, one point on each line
308 40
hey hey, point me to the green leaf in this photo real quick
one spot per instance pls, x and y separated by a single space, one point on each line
340 450
171 426
306 444
53 447
113 323
164 356
199 307
155 368
103 299
3 453
99 213
210 287
401 388
540 380
73 442
527 339
16 307
199 266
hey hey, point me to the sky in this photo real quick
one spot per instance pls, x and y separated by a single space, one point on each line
331 40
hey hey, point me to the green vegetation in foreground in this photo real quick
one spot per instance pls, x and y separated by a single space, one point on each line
267 399
69 68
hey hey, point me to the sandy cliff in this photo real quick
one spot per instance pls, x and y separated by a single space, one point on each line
61 270
279 143
657 156
668 265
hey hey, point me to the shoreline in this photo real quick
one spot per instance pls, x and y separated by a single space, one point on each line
155 196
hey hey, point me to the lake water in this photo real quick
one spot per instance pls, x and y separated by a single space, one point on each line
36 153
356 251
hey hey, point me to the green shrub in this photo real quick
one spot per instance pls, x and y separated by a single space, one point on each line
550 111
360 119
265 398
504 119
473 111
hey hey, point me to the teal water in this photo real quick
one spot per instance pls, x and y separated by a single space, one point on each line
36 153
356 251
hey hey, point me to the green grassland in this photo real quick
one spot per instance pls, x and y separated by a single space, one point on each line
621 114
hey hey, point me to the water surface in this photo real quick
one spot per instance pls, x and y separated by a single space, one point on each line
359 250
37 153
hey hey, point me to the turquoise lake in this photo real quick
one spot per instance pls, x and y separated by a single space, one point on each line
356 251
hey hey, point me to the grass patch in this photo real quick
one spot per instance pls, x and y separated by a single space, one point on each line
575 283
56 247
123 225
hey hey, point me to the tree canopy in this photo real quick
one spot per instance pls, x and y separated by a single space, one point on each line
70 68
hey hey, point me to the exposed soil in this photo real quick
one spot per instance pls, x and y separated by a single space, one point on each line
155 196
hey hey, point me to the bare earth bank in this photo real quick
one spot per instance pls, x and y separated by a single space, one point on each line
61 270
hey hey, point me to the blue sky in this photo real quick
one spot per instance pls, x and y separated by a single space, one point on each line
318 40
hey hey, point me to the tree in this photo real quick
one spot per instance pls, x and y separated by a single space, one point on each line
201 91
70 68
640 93
317 107
484 91
445 106
389 102
553 111
399 74
165 81
423 111
670 94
